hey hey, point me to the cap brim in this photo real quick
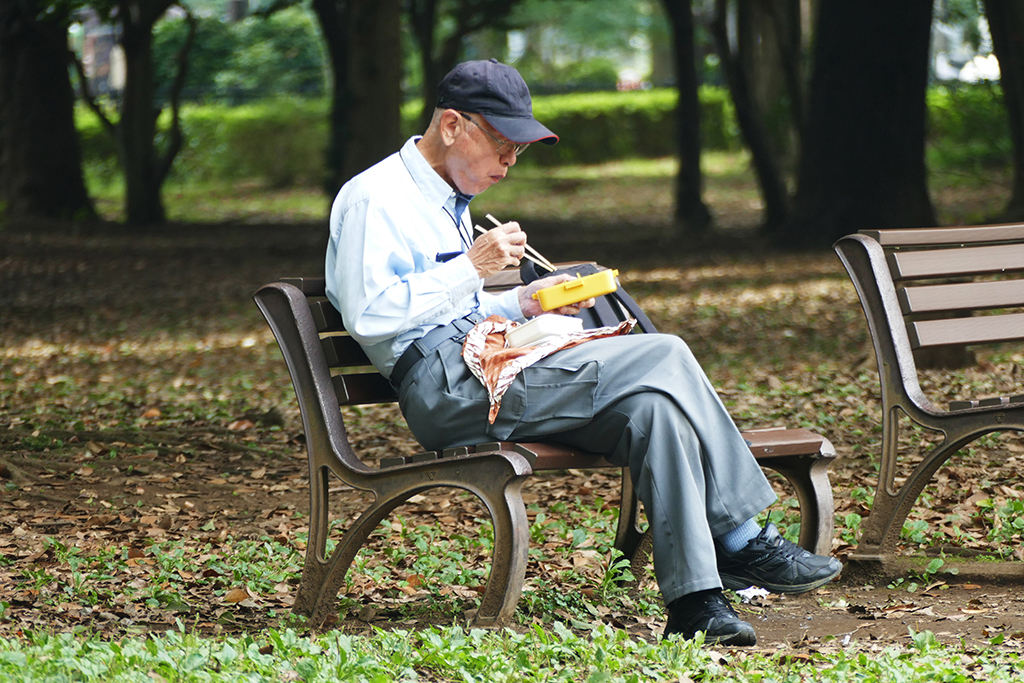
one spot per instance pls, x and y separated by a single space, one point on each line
521 129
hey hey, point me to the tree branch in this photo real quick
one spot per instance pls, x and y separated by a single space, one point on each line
88 97
174 144
274 6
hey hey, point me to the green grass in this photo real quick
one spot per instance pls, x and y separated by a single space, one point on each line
453 654
636 190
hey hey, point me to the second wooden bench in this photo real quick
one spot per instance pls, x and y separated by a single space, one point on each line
926 289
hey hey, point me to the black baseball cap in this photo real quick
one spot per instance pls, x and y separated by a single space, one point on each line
497 92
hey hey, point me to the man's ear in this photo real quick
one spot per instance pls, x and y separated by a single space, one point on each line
448 126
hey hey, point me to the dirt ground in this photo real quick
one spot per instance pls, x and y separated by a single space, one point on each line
248 498
211 480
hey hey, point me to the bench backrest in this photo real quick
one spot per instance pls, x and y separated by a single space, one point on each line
957 286
357 382
935 287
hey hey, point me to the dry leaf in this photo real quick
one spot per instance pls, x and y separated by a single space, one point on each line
236 595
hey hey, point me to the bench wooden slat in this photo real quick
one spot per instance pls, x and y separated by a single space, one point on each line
310 286
362 389
949 263
930 236
764 444
961 296
780 441
325 315
343 351
987 402
964 331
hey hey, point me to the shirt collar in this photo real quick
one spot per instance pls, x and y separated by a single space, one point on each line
436 191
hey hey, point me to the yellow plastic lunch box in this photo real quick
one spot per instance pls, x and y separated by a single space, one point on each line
574 291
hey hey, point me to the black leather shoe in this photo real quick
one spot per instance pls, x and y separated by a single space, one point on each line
710 612
775 564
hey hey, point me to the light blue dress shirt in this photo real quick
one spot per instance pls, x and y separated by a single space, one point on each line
389 225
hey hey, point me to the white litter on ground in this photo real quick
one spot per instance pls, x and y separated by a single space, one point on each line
749 594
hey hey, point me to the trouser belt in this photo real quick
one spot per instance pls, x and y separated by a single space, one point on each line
423 346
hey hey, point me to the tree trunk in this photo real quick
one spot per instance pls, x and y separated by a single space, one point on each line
737 65
333 16
692 217
136 130
40 156
862 161
375 83
1006 24
438 58
365 118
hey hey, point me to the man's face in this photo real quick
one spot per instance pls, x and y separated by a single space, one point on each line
473 161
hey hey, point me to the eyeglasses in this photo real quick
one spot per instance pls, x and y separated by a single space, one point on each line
504 146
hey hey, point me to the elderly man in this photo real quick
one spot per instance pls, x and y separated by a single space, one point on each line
406 274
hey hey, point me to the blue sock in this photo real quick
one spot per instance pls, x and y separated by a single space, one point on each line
736 540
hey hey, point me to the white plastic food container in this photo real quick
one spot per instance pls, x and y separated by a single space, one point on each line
540 328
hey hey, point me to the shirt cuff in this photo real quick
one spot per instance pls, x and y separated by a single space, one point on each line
506 305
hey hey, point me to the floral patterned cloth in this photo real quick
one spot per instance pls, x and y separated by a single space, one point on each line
496 365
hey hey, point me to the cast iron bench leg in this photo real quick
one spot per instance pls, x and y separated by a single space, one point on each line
814 493
496 479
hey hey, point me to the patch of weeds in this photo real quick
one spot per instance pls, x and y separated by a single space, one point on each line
37 442
1005 523
916 531
849 526
786 516
549 600
863 495
927 576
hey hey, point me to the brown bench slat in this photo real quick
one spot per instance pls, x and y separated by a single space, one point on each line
962 296
780 441
952 262
343 351
764 443
326 316
310 286
362 389
964 331
1009 232
986 402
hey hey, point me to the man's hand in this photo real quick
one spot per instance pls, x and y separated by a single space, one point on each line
497 248
531 307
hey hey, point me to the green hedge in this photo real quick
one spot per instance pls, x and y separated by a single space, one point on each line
282 142
279 142
968 127
596 127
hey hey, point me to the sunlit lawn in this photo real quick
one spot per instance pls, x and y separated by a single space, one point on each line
637 192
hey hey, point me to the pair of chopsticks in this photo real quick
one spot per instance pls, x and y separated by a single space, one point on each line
531 255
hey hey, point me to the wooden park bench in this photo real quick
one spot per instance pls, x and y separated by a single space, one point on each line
926 289
328 369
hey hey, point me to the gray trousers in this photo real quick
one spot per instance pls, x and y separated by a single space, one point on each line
643 402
